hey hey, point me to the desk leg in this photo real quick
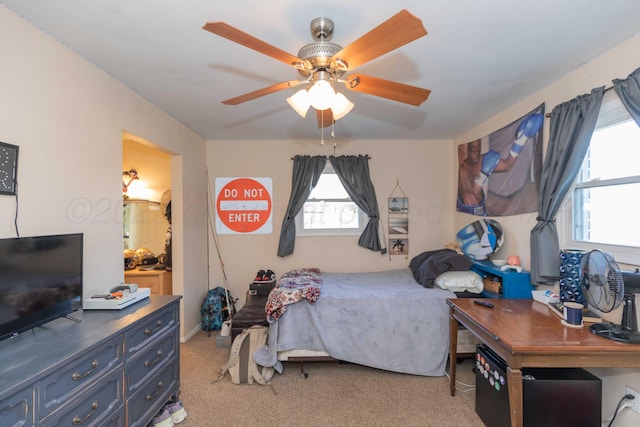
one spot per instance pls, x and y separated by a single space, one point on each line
514 379
453 351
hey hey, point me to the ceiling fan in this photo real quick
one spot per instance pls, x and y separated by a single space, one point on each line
322 64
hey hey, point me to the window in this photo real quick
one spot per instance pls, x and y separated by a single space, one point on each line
329 211
605 199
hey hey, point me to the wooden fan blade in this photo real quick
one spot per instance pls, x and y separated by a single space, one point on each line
387 89
235 35
261 92
396 31
325 118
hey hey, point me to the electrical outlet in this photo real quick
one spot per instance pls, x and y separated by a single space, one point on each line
636 400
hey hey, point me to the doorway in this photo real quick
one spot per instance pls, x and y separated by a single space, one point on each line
146 170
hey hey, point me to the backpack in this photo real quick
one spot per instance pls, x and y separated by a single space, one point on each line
241 366
215 308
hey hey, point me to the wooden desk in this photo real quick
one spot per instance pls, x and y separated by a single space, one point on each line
526 335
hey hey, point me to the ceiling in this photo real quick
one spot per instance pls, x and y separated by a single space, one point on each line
479 57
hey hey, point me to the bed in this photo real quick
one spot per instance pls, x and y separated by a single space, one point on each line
385 320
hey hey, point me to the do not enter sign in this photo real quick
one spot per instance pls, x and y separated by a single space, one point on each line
243 205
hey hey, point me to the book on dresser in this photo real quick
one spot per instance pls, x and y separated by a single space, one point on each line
588 315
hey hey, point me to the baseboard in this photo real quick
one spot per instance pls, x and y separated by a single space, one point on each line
190 334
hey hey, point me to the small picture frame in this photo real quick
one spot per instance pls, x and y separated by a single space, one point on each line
399 225
398 246
398 205
8 168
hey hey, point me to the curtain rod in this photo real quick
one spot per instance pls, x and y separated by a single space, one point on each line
606 89
368 158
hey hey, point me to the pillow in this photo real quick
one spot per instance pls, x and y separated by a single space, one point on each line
429 265
460 281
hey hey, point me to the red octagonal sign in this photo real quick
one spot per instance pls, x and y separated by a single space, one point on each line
243 205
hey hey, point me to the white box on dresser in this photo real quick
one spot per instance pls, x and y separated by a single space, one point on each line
113 368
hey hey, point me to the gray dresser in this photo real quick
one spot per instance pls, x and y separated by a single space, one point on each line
113 368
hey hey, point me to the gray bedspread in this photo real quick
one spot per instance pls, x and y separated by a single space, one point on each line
384 320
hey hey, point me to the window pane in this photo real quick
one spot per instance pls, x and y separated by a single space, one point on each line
607 214
613 153
328 187
328 214
329 211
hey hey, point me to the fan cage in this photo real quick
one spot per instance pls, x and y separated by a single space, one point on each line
602 282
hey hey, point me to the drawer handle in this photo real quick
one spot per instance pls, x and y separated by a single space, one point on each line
78 376
151 396
77 420
148 363
148 332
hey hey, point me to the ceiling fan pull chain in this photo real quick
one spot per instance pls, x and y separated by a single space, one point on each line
333 136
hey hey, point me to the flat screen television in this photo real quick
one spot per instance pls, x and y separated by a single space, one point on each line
40 280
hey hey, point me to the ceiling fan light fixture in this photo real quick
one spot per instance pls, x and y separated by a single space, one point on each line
341 106
321 95
300 102
323 64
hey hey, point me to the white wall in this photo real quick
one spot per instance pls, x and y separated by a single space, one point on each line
617 63
420 167
67 116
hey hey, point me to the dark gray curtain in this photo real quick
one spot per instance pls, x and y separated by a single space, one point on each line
572 124
306 173
629 92
353 172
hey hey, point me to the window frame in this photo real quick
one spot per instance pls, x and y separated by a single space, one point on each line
330 232
612 112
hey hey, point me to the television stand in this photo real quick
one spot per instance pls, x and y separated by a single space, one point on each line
119 366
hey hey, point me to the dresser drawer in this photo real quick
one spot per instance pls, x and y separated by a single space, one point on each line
147 329
116 419
153 394
58 387
17 409
149 360
92 407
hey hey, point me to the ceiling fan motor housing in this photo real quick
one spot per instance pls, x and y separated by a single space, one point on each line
320 52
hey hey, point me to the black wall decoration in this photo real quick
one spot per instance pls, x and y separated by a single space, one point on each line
8 168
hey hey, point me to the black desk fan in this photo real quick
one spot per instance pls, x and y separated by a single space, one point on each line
603 286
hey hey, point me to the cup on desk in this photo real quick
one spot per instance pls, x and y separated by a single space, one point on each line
572 313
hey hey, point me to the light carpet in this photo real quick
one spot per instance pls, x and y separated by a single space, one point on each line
334 394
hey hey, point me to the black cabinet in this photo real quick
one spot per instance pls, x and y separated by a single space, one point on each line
551 397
